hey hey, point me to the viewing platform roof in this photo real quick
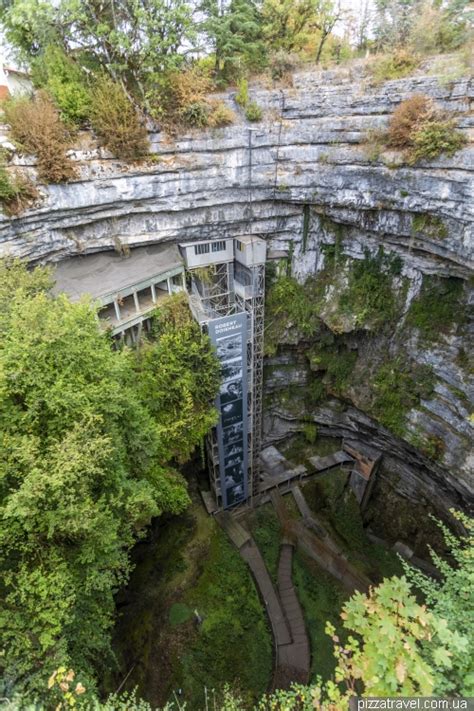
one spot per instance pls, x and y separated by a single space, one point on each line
103 275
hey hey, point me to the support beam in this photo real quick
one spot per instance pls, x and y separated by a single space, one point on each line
153 293
136 302
118 315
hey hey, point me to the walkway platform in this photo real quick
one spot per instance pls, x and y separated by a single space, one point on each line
321 464
291 644
128 287
294 658
322 549
280 473
281 632
104 274
237 533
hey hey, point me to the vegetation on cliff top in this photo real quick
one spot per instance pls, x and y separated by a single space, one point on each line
17 190
142 54
37 128
420 129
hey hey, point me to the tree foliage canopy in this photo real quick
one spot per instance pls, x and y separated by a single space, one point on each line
234 31
451 598
88 442
131 40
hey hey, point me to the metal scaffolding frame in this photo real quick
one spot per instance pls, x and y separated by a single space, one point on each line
211 297
255 309
211 292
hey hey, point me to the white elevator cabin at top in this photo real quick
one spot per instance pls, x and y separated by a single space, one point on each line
248 250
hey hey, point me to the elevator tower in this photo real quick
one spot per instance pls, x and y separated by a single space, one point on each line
226 289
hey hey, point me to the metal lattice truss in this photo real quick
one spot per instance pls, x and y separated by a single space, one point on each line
255 309
212 291
212 450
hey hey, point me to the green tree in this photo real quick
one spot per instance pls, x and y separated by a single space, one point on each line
29 26
394 20
65 81
288 25
178 379
452 599
291 25
393 631
85 462
329 14
134 41
441 26
234 31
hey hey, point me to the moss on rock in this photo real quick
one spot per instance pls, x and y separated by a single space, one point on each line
438 307
398 388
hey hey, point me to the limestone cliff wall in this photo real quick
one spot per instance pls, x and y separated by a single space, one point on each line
310 150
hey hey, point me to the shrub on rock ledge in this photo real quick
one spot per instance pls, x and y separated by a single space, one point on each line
63 78
397 65
406 118
37 128
117 122
423 130
221 115
435 137
195 115
17 191
253 112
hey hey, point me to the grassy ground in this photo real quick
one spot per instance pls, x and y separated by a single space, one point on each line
321 597
233 643
187 565
266 531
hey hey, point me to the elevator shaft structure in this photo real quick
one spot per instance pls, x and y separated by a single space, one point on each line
226 289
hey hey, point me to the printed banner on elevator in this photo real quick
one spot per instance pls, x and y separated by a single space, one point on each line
229 336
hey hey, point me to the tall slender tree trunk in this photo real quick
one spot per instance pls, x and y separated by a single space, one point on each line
322 41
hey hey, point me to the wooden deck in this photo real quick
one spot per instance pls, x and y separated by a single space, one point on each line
321 548
295 658
280 473
291 644
322 464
